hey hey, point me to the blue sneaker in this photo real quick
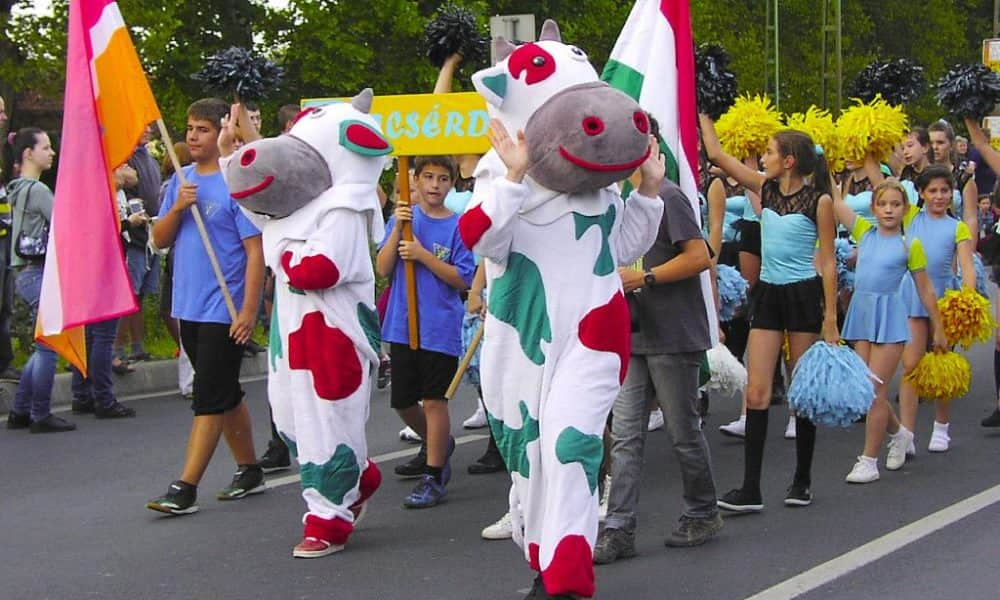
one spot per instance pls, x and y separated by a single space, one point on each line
428 493
446 469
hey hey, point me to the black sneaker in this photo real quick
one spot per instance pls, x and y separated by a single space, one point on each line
52 424
83 406
248 479
798 495
537 591
490 462
384 374
740 501
694 532
10 375
703 405
993 420
612 544
416 466
16 420
180 499
276 458
115 410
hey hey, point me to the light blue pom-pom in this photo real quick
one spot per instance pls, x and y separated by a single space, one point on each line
470 325
845 275
732 292
981 279
831 386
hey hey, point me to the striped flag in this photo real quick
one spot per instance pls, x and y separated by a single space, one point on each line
653 62
107 107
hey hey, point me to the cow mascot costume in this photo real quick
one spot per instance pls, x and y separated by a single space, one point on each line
312 192
552 228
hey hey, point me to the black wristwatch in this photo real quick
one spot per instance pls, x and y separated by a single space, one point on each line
649 278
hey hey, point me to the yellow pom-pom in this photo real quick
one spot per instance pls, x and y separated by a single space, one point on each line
874 128
818 124
745 129
966 317
943 376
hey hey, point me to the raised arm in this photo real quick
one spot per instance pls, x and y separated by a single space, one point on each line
748 178
980 140
844 214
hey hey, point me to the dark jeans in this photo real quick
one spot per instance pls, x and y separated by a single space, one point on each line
34 393
98 386
672 379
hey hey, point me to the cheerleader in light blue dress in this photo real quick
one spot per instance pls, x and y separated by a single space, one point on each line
946 241
877 316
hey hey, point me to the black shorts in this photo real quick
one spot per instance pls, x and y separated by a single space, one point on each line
419 375
749 236
730 254
216 360
789 307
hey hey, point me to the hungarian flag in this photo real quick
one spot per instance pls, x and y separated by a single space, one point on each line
653 62
107 108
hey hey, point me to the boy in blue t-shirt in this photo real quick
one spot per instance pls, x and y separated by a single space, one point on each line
444 269
212 340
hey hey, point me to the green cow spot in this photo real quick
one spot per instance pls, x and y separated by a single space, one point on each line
605 265
518 298
574 446
290 443
334 478
513 443
274 336
369 323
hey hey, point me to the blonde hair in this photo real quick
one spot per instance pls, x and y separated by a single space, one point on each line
890 183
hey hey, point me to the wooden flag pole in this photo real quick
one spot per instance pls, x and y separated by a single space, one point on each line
219 277
464 365
410 269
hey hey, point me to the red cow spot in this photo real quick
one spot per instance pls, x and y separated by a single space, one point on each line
315 272
328 354
533 558
571 571
335 530
606 329
534 60
472 225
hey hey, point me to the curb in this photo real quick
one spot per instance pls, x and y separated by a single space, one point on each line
150 378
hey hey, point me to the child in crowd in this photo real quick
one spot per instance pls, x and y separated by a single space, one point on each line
876 317
796 210
211 338
444 268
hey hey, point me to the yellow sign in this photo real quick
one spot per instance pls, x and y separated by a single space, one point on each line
422 124
991 54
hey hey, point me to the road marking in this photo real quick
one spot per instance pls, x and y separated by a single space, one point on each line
465 439
876 549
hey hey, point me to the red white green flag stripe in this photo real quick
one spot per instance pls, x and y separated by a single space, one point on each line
653 62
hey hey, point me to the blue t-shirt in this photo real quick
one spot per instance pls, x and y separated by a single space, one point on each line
439 306
196 294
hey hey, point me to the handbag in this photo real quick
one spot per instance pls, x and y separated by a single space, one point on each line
31 245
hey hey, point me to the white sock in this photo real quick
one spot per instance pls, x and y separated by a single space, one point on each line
902 431
942 427
870 460
743 418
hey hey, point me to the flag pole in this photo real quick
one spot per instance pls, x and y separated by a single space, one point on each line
219 277
410 269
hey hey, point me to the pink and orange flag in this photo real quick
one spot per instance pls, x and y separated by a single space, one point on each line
107 108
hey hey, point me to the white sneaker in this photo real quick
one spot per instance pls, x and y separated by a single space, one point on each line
501 530
899 443
737 428
911 450
790 428
655 419
864 471
477 420
602 510
408 435
939 438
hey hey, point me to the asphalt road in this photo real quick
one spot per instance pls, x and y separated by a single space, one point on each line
73 522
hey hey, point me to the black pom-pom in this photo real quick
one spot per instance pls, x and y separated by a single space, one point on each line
898 81
716 84
969 91
238 71
454 30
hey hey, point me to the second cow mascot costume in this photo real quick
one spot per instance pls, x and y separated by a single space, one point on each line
312 192
557 337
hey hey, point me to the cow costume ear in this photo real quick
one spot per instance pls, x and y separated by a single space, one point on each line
361 138
491 84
